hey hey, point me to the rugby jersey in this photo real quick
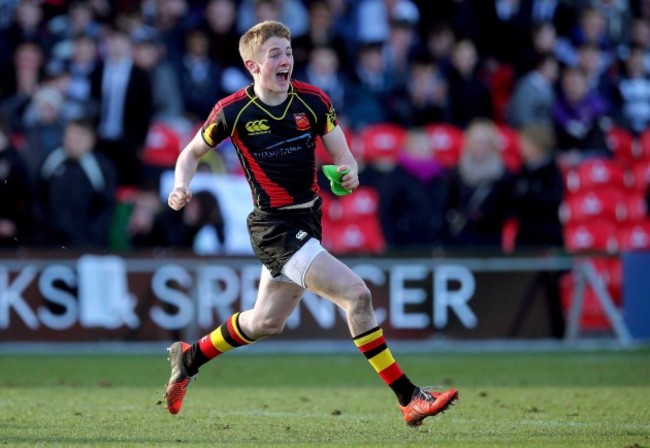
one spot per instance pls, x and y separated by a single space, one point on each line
275 144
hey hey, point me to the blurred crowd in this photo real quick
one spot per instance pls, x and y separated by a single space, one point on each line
98 96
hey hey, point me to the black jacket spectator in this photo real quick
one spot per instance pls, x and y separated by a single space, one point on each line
469 97
413 198
538 190
15 196
124 94
479 190
76 191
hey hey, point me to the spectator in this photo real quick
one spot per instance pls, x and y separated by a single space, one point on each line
617 16
534 95
561 14
639 37
124 94
439 45
44 124
468 95
321 33
536 196
344 14
172 21
149 55
479 190
292 13
374 17
590 28
220 27
19 84
76 191
412 204
220 24
147 205
543 41
79 21
154 226
502 31
538 190
373 88
323 70
633 93
28 26
198 75
80 66
592 62
428 100
15 196
578 116
399 47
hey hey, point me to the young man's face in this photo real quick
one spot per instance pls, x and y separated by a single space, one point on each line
274 66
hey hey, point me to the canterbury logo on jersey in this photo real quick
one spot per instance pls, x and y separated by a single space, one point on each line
257 127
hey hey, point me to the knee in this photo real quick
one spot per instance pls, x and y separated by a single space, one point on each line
359 298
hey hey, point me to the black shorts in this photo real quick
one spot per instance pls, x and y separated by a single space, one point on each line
277 235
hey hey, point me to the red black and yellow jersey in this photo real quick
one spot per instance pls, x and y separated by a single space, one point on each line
275 144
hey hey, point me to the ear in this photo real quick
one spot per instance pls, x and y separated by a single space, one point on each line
252 66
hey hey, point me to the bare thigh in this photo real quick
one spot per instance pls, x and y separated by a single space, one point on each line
331 278
275 303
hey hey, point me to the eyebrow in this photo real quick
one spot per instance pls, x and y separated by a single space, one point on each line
288 47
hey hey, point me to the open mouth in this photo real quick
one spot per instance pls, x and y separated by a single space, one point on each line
283 75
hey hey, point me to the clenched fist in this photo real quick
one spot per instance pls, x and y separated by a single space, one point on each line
179 197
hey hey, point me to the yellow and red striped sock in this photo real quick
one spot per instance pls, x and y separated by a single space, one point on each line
373 346
226 337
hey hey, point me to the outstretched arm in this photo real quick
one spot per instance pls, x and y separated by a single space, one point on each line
186 165
337 147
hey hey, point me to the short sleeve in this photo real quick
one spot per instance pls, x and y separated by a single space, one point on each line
215 128
325 113
331 121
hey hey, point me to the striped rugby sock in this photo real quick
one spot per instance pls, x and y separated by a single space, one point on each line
225 338
373 346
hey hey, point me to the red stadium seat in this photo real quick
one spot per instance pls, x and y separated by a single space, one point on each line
636 208
363 202
351 223
644 144
641 176
381 142
162 146
510 148
623 145
592 236
597 173
323 157
635 236
447 141
362 236
590 205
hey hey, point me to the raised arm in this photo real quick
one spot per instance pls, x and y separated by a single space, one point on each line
186 165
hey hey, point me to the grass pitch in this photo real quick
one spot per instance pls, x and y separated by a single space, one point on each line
576 399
